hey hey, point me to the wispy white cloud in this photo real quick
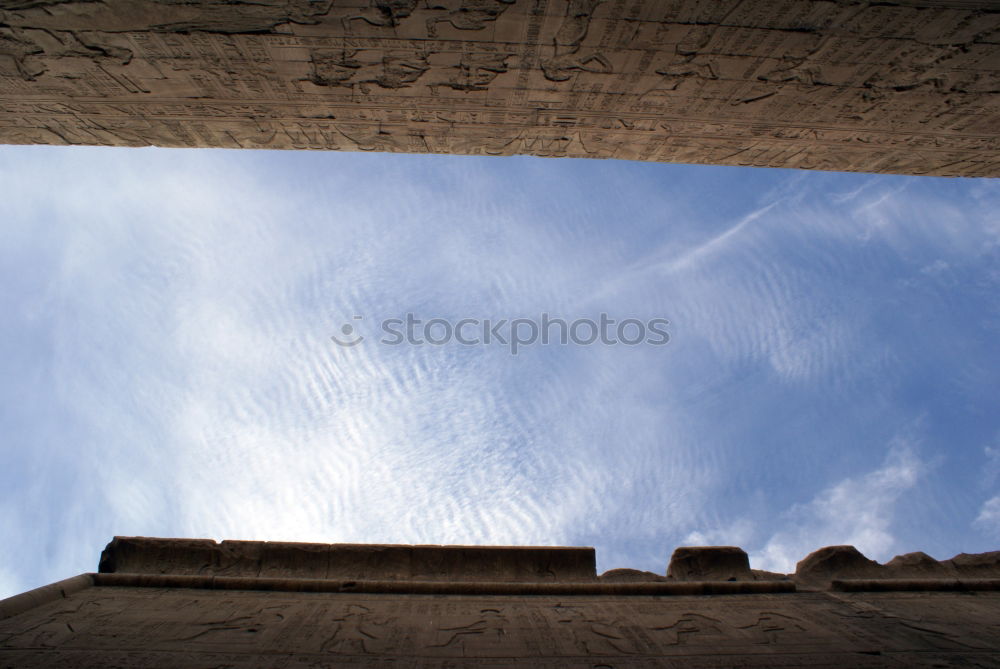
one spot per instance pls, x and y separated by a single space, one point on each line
180 304
195 344
857 511
739 532
716 244
988 519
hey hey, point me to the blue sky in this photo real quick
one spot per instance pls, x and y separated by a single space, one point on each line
167 367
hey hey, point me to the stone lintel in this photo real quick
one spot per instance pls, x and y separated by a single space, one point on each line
259 559
907 87
373 565
440 587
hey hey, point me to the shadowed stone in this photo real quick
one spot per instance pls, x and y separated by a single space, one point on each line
762 575
917 565
147 555
976 564
629 576
709 563
836 562
141 555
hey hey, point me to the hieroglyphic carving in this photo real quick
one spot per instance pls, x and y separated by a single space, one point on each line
567 54
690 59
790 83
186 627
344 67
468 15
593 633
474 72
382 13
690 627
251 17
356 631
773 628
487 629
19 56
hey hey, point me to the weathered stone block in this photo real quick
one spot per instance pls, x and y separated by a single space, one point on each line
907 87
709 563
836 562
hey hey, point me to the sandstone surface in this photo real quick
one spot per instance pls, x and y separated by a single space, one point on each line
196 603
910 86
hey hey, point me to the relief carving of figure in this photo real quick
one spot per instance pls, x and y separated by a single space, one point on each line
22 135
487 629
489 146
19 56
692 627
219 15
469 15
356 632
567 56
26 53
235 628
561 67
576 22
601 145
399 70
382 13
57 628
475 72
771 628
252 134
545 146
800 63
14 5
333 67
595 636
341 67
915 67
689 61
375 139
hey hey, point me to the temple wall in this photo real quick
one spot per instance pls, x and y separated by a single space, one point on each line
191 628
909 87
197 603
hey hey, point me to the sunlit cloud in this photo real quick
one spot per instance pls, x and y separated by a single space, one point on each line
857 511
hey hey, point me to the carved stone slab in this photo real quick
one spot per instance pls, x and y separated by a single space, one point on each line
199 603
147 627
911 86
272 559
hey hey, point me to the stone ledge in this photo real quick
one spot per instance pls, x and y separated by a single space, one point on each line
259 559
514 564
842 563
916 585
400 587
497 77
26 601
